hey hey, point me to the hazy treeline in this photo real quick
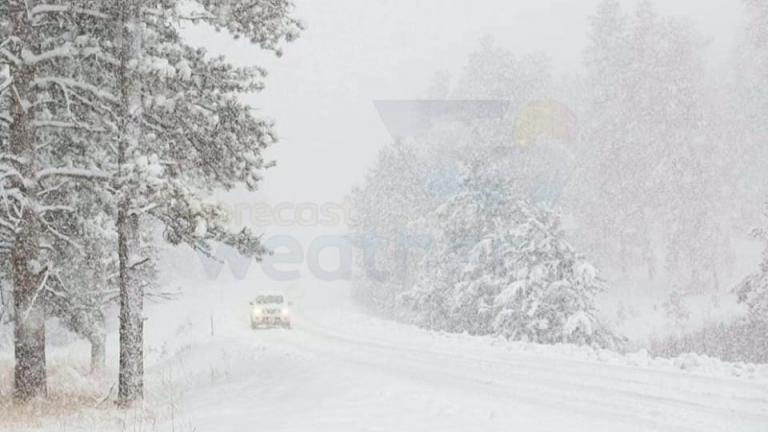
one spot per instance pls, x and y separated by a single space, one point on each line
653 157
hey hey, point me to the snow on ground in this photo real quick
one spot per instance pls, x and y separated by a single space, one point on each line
342 370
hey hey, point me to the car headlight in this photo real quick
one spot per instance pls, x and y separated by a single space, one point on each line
257 311
285 311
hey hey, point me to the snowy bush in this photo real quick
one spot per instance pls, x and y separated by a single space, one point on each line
500 265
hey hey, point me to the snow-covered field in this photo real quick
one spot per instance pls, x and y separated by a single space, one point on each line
342 370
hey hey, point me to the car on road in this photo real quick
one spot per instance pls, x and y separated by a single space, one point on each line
269 311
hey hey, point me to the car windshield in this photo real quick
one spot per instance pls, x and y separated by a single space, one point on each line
264 299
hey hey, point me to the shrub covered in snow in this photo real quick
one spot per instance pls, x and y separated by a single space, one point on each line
500 265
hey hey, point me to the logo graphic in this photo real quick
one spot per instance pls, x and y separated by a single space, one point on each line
538 147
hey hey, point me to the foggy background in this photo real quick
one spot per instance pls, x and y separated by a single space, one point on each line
321 91
322 95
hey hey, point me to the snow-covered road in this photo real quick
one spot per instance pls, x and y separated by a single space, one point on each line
341 370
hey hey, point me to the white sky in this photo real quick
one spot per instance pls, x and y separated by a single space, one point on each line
356 51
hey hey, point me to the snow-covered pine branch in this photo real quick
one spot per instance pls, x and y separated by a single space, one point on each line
266 23
61 9
80 173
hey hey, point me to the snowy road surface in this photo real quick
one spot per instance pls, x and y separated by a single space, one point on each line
339 370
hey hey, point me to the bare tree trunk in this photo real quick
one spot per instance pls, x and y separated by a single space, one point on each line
29 316
29 326
131 374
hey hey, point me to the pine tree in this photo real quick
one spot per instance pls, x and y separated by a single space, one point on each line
649 152
108 94
394 194
79 292
500 265
46 96
753 97
493 72
184 132
29 322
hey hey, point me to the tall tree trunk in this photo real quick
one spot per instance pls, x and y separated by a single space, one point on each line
29 315
29 324
131 375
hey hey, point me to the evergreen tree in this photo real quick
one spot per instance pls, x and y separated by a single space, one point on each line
183 132
108 93
500 265
643 184
80 290
394 194
753 291
46 104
